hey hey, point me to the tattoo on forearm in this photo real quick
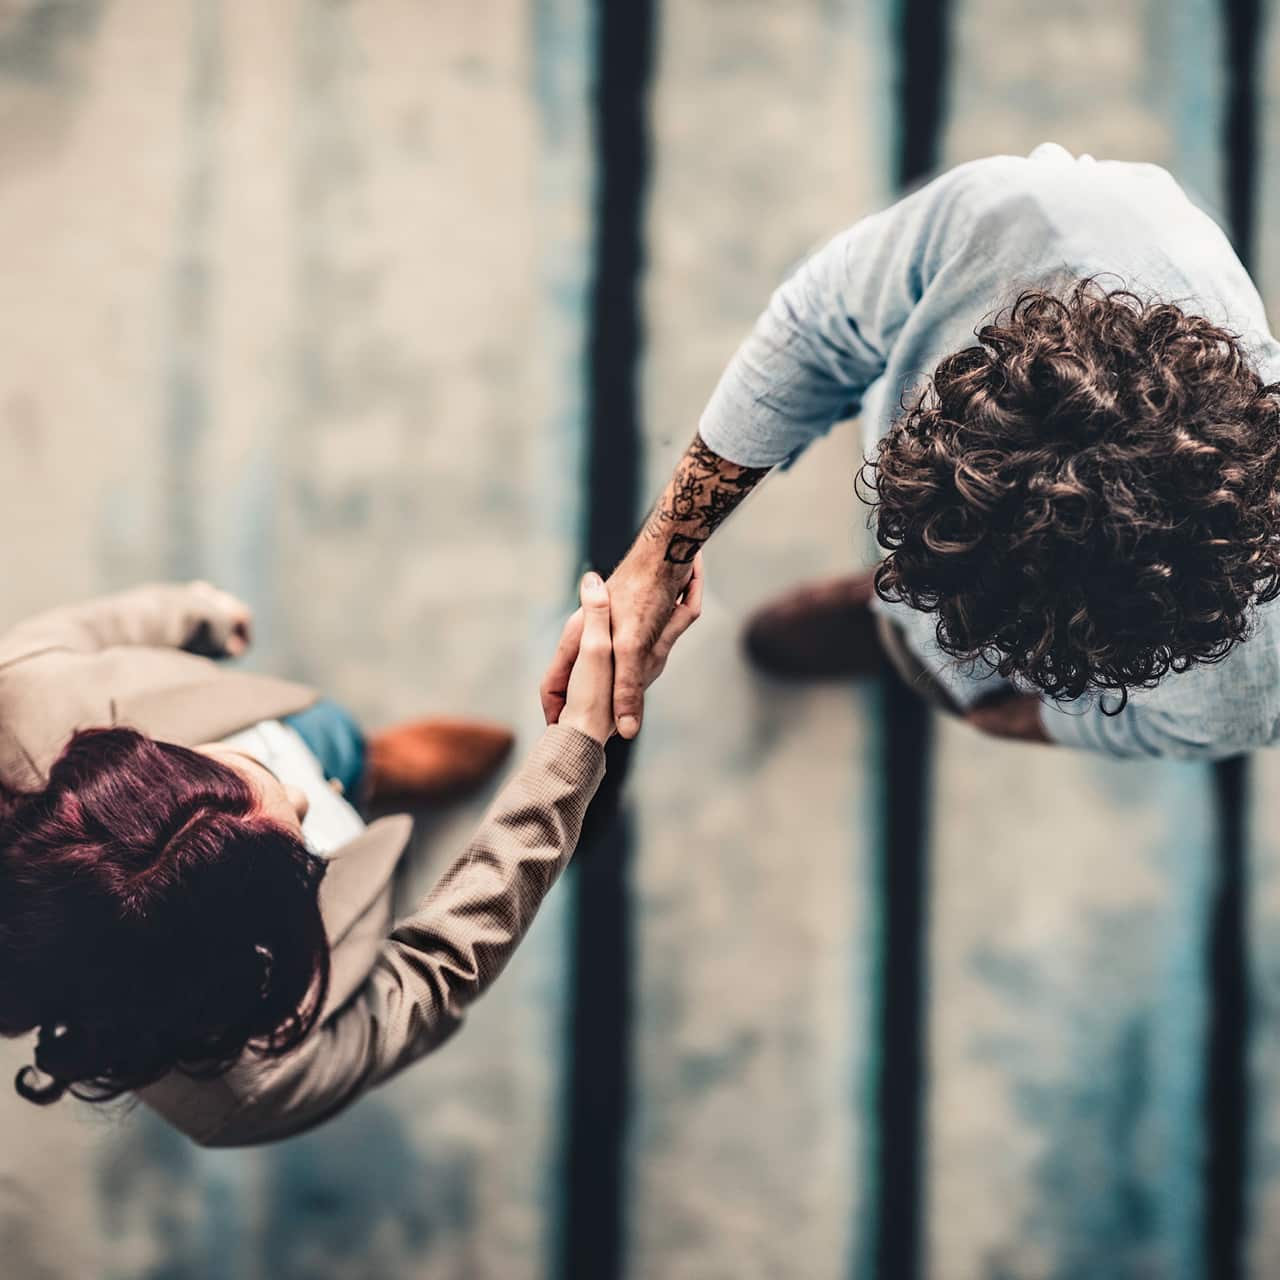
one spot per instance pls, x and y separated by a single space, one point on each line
703 492
682 549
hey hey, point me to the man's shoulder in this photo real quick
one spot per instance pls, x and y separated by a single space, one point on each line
1052 187
995 207
989 180
1240 692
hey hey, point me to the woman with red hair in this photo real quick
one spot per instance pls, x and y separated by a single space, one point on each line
169 924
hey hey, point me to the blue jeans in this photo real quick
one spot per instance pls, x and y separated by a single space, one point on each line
334 738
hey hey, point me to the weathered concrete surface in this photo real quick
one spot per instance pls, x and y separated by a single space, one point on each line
294 299
754 804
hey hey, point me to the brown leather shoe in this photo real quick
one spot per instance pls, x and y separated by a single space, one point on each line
433 759
817 631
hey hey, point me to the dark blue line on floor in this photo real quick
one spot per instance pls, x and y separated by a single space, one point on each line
1227 1083
920 98
599 1086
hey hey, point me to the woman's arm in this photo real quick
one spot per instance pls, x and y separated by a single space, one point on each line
167 615
438 960
451 949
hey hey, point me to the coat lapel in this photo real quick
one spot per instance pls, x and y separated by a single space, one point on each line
355 901
209 704
359 871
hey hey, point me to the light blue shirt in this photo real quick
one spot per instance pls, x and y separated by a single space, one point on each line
869 316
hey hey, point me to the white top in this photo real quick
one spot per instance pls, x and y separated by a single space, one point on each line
331 821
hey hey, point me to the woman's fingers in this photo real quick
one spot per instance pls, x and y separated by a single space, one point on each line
686 613
588 703
241 634
597 640
692 598
556 682
228 619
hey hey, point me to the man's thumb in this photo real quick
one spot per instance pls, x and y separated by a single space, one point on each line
628 704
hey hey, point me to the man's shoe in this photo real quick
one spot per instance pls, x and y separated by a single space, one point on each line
433 759
817 631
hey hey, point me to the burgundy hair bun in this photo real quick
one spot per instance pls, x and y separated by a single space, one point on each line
152 919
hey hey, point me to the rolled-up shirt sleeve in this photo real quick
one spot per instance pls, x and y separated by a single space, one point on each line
824 337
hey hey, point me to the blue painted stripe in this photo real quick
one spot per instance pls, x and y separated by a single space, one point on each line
563 58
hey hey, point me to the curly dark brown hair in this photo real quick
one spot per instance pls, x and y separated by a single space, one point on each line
1088 497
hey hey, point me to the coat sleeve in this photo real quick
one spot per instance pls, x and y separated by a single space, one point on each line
158 615
441 958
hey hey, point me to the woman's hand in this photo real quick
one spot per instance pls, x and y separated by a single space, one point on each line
588 703
656 647
225 623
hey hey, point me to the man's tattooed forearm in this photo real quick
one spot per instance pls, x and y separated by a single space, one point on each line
701 495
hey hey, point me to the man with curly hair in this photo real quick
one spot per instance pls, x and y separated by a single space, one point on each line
1069 393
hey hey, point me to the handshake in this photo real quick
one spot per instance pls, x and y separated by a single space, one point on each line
614 647
611 649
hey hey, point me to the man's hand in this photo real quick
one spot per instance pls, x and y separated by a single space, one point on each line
649 616
1009 715
656 592
652 614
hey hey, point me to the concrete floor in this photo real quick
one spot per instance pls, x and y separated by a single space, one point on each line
295 299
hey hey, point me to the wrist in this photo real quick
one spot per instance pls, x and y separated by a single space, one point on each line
648 560
594 727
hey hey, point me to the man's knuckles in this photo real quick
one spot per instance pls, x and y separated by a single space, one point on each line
629 646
